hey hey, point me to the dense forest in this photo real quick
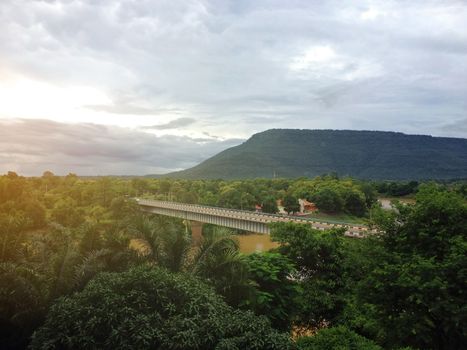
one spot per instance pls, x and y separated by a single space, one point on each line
82 267
362 154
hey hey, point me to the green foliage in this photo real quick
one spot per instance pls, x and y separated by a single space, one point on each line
417 290
276 293
369 192
336 338
404 287
319 258
217 259
66 213
90 237
328 200
166 242
355 203
269 205
149 308
21 304
334 195
237 195
397 189
12 236
35 212
291 204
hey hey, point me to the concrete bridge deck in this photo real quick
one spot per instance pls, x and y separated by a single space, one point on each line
239 219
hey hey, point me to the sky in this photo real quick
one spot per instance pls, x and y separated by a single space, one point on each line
127 87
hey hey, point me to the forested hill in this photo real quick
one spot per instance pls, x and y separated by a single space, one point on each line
361 154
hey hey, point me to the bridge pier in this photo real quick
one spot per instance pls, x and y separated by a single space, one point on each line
196 228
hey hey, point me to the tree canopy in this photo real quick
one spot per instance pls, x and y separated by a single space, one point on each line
152 308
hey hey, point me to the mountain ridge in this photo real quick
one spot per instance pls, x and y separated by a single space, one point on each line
378 155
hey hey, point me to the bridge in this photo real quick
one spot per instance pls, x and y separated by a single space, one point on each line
240 219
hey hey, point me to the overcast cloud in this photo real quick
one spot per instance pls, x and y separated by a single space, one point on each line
140 86
33 146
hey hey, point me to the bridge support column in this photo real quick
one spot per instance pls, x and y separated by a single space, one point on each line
196 231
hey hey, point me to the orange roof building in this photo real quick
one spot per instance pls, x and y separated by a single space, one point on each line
306 206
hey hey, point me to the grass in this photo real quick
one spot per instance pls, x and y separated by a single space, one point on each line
351 219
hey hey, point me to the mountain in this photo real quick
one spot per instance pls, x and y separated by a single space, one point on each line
360 154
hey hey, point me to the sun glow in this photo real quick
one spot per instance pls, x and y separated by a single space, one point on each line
26 98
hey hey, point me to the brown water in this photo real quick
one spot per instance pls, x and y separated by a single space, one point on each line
255 242
249 243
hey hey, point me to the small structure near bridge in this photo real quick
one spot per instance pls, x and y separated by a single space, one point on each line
306 206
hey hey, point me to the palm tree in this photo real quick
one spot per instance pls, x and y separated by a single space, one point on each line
162 242
110 251
218 259
22 304
175 247
12 232
91 264
90 237
62 267
146 233
117 241
20 291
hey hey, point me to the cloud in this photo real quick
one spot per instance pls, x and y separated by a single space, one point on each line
32 146
127 109
453 128
173 124
240 67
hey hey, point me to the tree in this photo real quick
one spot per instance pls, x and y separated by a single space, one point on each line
355 202
50 180
234 197
291 204
12 175
12 188
270 205
48 174
121 208
66 213
139 186
276 293
21 304
417 288
319 258
90 238
329 200
164 241
12 229
151 308
97 213
35 212
217 259
61 266
371 196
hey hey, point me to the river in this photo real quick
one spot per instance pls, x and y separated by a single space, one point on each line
255 242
